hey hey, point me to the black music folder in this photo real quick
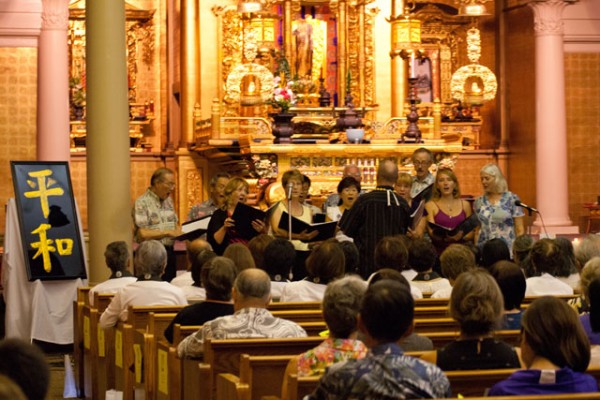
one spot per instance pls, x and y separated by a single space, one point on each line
326 229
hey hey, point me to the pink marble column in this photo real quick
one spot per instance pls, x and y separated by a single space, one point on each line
53 141
552 183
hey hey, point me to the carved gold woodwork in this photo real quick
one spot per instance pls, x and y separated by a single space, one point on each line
140 42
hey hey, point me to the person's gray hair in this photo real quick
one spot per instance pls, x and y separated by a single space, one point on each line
590 271
587 249
424 151
253 282
116 256
500 185
159 174
341 304
150 258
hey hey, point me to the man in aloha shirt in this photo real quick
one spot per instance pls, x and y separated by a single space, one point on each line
386 316
154 216
251 294
217 197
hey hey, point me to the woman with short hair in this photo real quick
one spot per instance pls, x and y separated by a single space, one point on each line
476 304
554 350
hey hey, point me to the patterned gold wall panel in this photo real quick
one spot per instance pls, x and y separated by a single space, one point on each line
18 96
582 72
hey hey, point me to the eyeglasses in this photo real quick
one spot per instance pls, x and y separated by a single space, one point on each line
168 184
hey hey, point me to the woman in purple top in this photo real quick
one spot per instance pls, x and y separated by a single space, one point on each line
447 209
555 351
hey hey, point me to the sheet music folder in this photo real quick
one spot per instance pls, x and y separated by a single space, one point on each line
194 229
326 229
466 226
243 215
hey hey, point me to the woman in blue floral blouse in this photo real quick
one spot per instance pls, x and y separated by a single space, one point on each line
496 209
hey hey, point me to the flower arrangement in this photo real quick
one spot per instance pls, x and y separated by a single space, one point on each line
283 95
444 161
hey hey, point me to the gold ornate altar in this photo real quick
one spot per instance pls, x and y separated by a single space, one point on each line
140 48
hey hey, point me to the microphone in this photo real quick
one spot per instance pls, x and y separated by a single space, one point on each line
289 192
518 203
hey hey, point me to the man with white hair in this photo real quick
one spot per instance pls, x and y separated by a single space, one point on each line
251 294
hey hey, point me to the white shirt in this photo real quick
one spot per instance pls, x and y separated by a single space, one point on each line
409 274
431 286
182 280
571 280
111 286
276 288
194 293
442 293
546 285
141 293
302 291
414 291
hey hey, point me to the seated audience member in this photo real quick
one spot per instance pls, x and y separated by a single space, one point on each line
150 261
590 271
555 351
26 365
257 246
193 248
240 255
567 271
412 342
493 250
588 248
251 294
278 261
591 320
422 257
351 257
196 292
9 390
511 281
218 274
391 252
456 259
324 264
116 257
476 304
340 311
521 249
386 316
546 259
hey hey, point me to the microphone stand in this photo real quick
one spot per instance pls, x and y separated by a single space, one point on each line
290 218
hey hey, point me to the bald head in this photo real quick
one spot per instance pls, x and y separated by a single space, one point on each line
387 173
253 283
352 171
194 248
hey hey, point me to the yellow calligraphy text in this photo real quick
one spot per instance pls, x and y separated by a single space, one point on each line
44 246
44 191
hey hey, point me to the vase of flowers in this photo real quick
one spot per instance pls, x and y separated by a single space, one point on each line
283 98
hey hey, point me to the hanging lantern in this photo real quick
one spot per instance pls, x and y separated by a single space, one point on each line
406 32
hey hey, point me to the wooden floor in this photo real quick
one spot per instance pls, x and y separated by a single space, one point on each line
57 376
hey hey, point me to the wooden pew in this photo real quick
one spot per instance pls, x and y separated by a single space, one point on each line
78 305
145 354
299 315
295 305
124 357
440 339
431 312
300 386
259 376
223 356
425 325
97 376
